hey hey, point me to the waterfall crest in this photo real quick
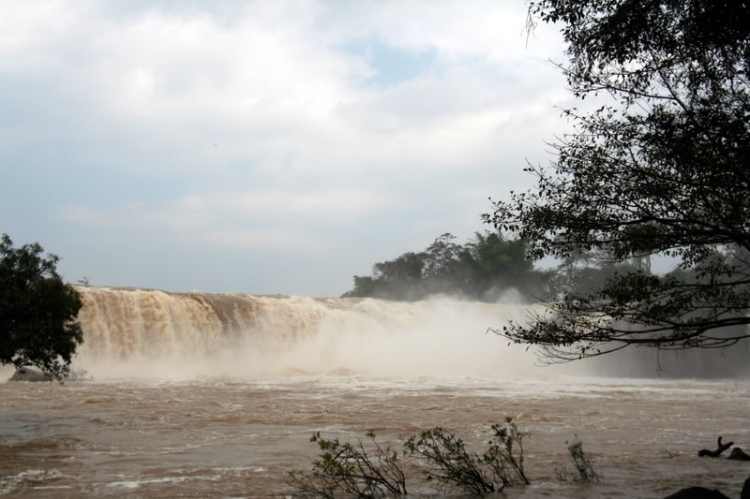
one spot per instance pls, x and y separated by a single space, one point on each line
247 333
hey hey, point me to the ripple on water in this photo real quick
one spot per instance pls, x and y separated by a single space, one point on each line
234 437
27 478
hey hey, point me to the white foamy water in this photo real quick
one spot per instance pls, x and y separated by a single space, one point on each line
145 333
198 395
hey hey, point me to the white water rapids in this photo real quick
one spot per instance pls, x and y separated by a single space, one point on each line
174 334
215 395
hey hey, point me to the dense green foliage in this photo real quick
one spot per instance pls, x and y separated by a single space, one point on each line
663 169
37 310
480 269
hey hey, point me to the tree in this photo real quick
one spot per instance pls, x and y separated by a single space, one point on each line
663 169
478 269
585 272
37 310
500 263
445 266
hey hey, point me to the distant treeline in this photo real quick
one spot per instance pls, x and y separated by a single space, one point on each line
480 269
484 268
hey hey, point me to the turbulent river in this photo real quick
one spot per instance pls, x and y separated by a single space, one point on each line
216 395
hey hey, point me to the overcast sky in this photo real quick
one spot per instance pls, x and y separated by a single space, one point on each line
264 147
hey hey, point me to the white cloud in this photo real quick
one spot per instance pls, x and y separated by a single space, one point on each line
32 34
265 239
255 124
275 220
331 203
85 216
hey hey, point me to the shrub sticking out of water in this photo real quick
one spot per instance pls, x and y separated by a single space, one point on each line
452 466
371 470
505 461
583 469
352 470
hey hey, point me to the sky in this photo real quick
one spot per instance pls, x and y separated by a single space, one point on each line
264 147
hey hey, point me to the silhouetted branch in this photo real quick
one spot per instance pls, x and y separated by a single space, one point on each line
717 452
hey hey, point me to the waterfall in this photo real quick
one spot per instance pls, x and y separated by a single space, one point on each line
143 332
207 333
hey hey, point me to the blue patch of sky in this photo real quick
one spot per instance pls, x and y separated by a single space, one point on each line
391 65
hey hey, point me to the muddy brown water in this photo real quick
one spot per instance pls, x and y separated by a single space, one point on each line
167 415
225 437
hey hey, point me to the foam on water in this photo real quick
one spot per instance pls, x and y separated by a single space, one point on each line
11 483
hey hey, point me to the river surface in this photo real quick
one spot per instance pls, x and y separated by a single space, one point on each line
233 437
216 395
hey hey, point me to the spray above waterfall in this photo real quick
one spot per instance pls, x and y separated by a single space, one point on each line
146 332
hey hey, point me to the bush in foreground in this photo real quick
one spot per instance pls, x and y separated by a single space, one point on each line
354 471
452 466
583 468
351 469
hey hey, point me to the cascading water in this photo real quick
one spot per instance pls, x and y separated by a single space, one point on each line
239 334
146 332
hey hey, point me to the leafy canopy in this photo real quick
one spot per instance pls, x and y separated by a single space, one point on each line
661 170
37 310
479 269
